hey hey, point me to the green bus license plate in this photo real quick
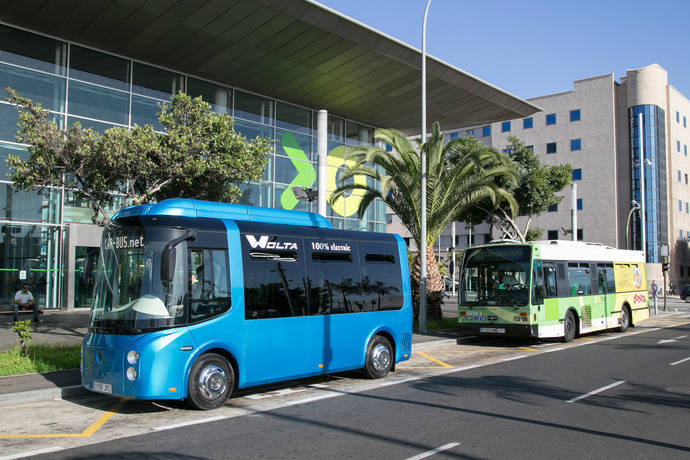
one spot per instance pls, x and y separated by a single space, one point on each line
102 387
493 330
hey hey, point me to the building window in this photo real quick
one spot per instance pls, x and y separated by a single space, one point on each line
579 204
390 149
685 150
527 123
685 122
579 234
686 179
680 205
575 144
552 234
505 127
687 208
453 136
679 175
677 117
506 151
551 119
551 147
678 145
530 148
486 131
469 133
577 174
575 115
552 208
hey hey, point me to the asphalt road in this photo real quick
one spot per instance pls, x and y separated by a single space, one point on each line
537 406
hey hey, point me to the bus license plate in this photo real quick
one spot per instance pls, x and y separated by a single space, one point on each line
102 387
493 330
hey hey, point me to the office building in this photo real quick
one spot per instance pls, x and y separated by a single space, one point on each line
594 128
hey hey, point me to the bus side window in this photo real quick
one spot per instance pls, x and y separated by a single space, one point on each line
381 277
209 294
579 278
274 280
334 279
550 280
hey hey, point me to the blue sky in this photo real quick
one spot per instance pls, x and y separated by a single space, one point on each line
536 47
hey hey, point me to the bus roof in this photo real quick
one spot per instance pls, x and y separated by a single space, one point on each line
580 250
185 207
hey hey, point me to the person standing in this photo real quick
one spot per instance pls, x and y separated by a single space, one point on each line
655 293
25 299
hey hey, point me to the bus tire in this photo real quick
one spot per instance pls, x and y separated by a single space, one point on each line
569 327
379 359
211 381
625 319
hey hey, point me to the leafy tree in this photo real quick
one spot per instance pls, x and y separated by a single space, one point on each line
534 191
452 189
199 156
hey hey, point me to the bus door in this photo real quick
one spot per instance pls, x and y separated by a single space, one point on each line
278 330
605 281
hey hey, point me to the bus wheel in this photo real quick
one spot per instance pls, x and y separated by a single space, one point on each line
379 358
625 319
211 381
569 328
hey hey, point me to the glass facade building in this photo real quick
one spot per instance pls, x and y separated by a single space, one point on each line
655 180
101 90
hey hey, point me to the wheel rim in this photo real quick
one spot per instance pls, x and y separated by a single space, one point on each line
380 357
624 318
212 382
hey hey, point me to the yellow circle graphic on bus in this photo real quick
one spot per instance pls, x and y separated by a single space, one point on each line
637 277
345 205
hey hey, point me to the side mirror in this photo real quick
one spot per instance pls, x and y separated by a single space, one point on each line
168 256
168 259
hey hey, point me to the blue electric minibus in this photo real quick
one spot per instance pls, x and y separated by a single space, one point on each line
193 299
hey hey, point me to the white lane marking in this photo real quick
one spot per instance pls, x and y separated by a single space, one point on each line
598 390
678 362
515 357
188 423
671 340
553 349
429 453
32 452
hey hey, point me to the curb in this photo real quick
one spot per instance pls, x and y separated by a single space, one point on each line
48 393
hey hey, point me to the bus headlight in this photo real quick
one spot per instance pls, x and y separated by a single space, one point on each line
132 357
131 374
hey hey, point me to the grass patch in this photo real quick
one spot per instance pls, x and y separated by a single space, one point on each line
42 358
440 324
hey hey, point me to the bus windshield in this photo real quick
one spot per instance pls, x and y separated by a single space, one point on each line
498 275
129 296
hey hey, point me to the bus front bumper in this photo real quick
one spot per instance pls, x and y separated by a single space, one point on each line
500 330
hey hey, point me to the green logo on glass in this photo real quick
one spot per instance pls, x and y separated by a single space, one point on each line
344 206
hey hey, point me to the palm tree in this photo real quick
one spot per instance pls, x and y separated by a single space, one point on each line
460 174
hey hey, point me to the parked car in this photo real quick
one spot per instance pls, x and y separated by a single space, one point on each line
685 293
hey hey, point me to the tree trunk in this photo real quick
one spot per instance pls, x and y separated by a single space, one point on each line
434 285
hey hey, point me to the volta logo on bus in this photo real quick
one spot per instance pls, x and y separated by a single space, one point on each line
263 243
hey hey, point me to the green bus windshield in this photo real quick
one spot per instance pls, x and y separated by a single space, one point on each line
497 275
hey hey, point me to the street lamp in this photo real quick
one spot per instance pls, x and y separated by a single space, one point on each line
422 277
635 207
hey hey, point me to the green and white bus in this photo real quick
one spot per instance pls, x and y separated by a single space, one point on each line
550 289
